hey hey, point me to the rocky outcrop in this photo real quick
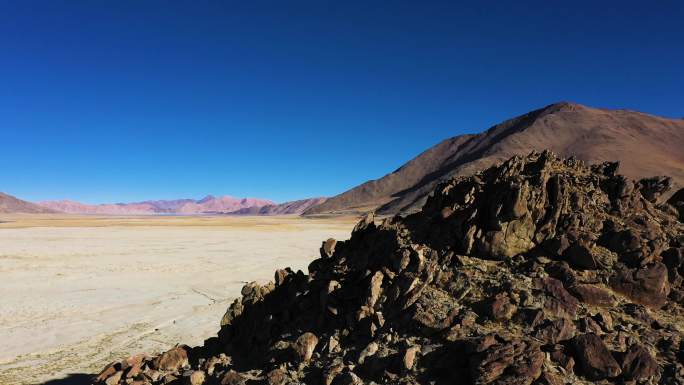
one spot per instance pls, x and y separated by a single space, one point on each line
537 271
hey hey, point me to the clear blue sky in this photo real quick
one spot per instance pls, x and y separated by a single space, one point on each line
105 101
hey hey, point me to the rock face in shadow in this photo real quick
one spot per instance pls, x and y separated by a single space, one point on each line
539 270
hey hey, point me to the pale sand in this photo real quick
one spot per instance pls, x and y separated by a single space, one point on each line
79 292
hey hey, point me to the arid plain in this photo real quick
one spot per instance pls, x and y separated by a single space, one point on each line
70 284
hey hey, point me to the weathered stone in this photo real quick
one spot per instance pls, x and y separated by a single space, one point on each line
562 358
305 345
276 377
173 359
374 289
500 308
368 351
233 378
114 378
594 358
557 302
547 378
647 286
408 357
638 363
556 331
108 371
328 248
592 295
196 378
331 372
347 378
517 361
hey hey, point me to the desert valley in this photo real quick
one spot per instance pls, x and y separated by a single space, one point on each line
522 247
341 192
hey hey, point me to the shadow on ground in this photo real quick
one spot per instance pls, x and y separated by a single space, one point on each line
72 379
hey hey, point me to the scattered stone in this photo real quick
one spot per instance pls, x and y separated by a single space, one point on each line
197 378
594 358
114 378
648 286
328 248
593 295
173 359
276 377
233 378
305 345
409 357
638 364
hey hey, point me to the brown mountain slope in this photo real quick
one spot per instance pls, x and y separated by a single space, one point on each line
10 204
645 145
288 208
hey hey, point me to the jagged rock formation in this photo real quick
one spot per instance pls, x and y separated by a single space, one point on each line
537 271
645 145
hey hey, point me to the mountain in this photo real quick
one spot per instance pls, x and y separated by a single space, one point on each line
10 204
288 208
208 204
539 271
223 205
645 145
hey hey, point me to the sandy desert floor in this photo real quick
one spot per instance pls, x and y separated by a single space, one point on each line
79 292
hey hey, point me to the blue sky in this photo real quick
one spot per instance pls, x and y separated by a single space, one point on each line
108 101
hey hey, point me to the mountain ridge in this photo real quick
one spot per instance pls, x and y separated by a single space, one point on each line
647 145
10 204
208 204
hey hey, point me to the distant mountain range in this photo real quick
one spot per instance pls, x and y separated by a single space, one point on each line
294 207
645 145
208 204
10 204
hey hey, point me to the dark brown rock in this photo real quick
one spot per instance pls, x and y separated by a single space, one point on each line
558 303
516 362
593 357
647 286
547 378
592 295
638 363
500 308
556 331
561 357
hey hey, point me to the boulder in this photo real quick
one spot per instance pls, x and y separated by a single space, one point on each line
305 345
648 286
173 359
592 295
593 358
638 364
